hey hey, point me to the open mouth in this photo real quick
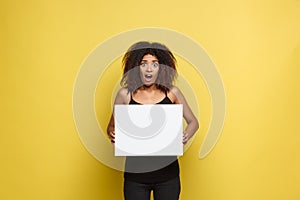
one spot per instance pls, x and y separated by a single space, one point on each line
148 77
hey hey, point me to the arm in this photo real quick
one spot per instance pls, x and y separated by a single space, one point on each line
121 98
191 120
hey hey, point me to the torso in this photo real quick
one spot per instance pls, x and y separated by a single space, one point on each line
166 166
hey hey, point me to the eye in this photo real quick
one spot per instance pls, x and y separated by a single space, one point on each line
155 65
144 65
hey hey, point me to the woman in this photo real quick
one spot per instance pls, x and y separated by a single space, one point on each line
149 71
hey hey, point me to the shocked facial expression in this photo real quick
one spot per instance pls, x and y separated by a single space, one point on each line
149 68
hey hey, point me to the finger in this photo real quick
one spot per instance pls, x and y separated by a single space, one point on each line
112 134
185 136
112 139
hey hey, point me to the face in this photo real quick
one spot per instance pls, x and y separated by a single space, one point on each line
149 69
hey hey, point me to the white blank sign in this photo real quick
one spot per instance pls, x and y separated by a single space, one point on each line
148 130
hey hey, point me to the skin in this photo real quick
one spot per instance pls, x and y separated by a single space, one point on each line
150 94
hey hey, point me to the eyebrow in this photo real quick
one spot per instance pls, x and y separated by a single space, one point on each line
147 60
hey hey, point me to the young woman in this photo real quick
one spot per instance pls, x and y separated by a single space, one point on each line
149 72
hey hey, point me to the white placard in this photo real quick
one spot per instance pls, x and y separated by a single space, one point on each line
148 130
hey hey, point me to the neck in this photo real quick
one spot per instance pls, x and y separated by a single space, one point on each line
149 87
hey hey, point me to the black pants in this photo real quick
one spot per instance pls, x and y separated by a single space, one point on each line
168 190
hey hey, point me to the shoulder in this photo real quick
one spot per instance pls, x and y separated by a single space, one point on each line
175 94
123 96
123 91
175 90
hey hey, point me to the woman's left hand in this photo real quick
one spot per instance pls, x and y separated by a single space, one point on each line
185 137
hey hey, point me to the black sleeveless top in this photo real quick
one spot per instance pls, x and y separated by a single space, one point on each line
151 169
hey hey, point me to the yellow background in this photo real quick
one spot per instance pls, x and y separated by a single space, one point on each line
255 45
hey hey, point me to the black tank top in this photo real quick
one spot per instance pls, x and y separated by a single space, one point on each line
151 169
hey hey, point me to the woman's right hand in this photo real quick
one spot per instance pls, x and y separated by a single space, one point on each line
111 135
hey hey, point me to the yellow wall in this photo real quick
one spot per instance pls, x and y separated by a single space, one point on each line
255 45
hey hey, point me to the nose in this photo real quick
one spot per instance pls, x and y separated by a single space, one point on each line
149 68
